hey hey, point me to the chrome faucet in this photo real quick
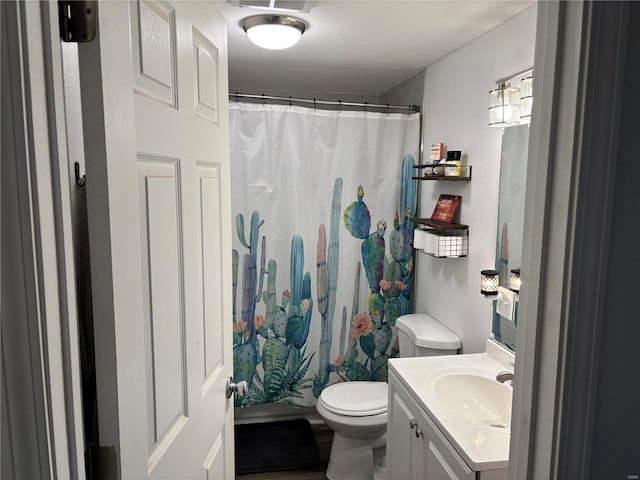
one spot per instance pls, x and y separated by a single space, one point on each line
505 376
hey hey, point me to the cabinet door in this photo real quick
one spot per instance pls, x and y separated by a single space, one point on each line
438 459
400 440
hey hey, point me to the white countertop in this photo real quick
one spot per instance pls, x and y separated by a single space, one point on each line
481 447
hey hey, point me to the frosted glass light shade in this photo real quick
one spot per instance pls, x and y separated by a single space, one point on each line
274 37
489 282
526 99
504 105
514 280
274 32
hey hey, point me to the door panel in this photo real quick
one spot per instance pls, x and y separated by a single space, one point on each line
214 463
170 260
205 76
211 267
154 50
163 300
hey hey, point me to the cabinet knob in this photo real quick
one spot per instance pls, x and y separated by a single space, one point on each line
412 423
419 433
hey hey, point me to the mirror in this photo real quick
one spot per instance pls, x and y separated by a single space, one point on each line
513 171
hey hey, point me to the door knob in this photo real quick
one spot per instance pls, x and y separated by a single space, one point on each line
240 388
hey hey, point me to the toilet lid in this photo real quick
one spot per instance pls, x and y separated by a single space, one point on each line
356 399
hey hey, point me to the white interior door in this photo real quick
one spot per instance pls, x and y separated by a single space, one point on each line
154 98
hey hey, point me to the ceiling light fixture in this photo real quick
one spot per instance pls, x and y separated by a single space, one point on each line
274 32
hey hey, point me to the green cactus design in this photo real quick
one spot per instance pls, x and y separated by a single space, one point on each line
343 333
327 284
322 276
285 327
373 256
244 362
368 345
358 372
357 219
408 189
400 240
376 303
235 260
380 368
285 382
273 353
245 356
279 325
246 353
391 311
382 338
300 304
269 298
355 304
279 341
389 280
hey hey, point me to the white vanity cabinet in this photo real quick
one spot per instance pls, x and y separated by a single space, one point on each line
417 449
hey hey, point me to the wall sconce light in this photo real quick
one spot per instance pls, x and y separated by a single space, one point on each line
274 32
489 282
504 105
514 280
526 99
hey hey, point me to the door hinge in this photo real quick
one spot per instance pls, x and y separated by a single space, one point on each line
77 20
102 463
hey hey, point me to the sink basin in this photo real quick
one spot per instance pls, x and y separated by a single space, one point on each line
462 397
481 400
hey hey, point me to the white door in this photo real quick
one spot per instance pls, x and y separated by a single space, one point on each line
154 98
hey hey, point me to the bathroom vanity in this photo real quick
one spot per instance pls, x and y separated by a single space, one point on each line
448 417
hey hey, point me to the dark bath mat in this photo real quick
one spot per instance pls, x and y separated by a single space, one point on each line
275 446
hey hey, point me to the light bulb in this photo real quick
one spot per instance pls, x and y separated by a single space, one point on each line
274 37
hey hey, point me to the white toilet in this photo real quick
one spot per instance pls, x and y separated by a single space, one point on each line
357 411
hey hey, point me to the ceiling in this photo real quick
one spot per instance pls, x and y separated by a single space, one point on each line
360 47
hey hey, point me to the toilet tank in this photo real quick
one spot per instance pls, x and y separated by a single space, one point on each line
421 335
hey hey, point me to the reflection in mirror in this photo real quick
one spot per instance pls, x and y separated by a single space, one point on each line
513 170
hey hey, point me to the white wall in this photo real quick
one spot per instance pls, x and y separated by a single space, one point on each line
455 112
407 92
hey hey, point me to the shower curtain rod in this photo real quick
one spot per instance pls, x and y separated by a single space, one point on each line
313 101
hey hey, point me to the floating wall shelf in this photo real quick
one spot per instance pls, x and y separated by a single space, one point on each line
459 178
441 226
445 178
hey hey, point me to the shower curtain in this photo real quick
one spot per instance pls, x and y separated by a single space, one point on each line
322 257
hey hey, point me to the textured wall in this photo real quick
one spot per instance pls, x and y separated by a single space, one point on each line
455 112
408 92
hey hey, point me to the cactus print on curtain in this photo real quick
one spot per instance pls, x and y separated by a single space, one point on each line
322 258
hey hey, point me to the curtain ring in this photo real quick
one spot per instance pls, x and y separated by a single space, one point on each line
387 109
314 103
236 97
339 105
263 100
365 107
290 104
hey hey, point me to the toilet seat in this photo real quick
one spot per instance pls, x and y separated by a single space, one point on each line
356 399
